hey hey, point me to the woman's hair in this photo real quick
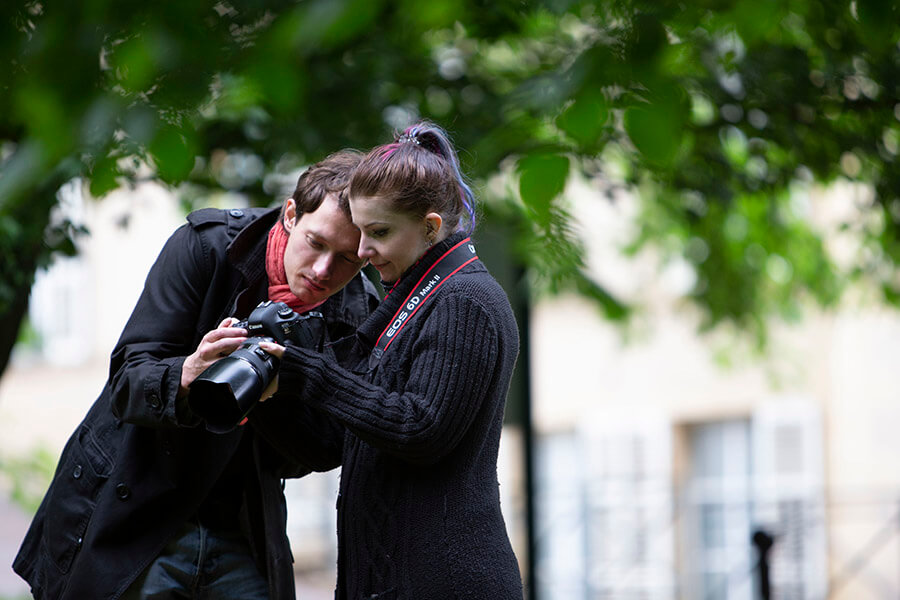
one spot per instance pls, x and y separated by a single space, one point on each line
331 175
418 173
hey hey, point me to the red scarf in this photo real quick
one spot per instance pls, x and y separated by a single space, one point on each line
279 290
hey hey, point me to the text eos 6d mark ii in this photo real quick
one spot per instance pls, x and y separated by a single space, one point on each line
229 388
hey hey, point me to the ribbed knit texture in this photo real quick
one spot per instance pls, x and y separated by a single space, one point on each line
419 510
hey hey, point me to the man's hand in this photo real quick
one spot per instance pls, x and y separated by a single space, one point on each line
217 343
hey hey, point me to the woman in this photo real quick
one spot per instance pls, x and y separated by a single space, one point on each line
422 403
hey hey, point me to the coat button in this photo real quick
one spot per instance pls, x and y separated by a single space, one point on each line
76 472
236 213
154 401
122 491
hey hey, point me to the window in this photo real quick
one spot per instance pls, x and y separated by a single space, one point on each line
716 526
789 495
60 307
762 473
612 523
560 536
604 510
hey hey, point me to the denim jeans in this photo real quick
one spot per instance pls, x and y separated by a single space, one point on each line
201 564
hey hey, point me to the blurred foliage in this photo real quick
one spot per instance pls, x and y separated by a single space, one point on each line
714 111
27 477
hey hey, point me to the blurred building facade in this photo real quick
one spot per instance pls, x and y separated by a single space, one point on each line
663 454
655 464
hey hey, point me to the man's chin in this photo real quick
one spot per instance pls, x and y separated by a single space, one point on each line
307 297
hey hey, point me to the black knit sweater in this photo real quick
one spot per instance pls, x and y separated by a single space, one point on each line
419 507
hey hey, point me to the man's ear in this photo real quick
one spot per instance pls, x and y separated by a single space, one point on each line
289 213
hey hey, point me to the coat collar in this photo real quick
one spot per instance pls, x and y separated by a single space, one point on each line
247 251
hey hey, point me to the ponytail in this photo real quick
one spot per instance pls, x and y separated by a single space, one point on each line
420 173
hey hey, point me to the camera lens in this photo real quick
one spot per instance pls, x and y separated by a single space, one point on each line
226 392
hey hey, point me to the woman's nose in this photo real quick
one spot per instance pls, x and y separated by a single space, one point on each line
365 250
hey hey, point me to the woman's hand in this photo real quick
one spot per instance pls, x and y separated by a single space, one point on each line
276 350
219 342
273 348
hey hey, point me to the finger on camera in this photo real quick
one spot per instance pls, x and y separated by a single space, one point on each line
225 346
276 350
226 333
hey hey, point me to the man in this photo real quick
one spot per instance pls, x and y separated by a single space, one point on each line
145 502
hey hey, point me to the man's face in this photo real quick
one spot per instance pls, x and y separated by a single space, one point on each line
321 251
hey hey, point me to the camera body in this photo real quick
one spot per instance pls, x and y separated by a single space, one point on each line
229 388
278 322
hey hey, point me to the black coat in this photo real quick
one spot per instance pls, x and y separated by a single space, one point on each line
419 506
138 466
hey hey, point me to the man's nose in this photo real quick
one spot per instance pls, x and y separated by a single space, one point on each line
322 266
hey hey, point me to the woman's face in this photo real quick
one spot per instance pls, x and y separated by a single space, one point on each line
390 240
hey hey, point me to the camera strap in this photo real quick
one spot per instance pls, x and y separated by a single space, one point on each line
431 281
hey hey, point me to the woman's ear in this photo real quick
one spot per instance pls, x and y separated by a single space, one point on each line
289 214
433 222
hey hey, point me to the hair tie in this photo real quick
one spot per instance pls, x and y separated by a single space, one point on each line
408 138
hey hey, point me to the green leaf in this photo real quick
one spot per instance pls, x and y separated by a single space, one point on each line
104 177
646 39
434 14
135 64
323 24
173 151
542 177
655 130
755 20
585 118
281 86
878 21
40 108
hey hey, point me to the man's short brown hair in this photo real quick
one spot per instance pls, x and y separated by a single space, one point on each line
330 175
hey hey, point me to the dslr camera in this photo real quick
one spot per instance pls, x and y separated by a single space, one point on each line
229 388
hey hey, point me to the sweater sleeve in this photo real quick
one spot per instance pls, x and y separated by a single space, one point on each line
145 368
306 438
451 366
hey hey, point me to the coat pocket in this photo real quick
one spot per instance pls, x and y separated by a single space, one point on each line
83 469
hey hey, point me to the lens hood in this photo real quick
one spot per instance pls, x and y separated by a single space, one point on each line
229 388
